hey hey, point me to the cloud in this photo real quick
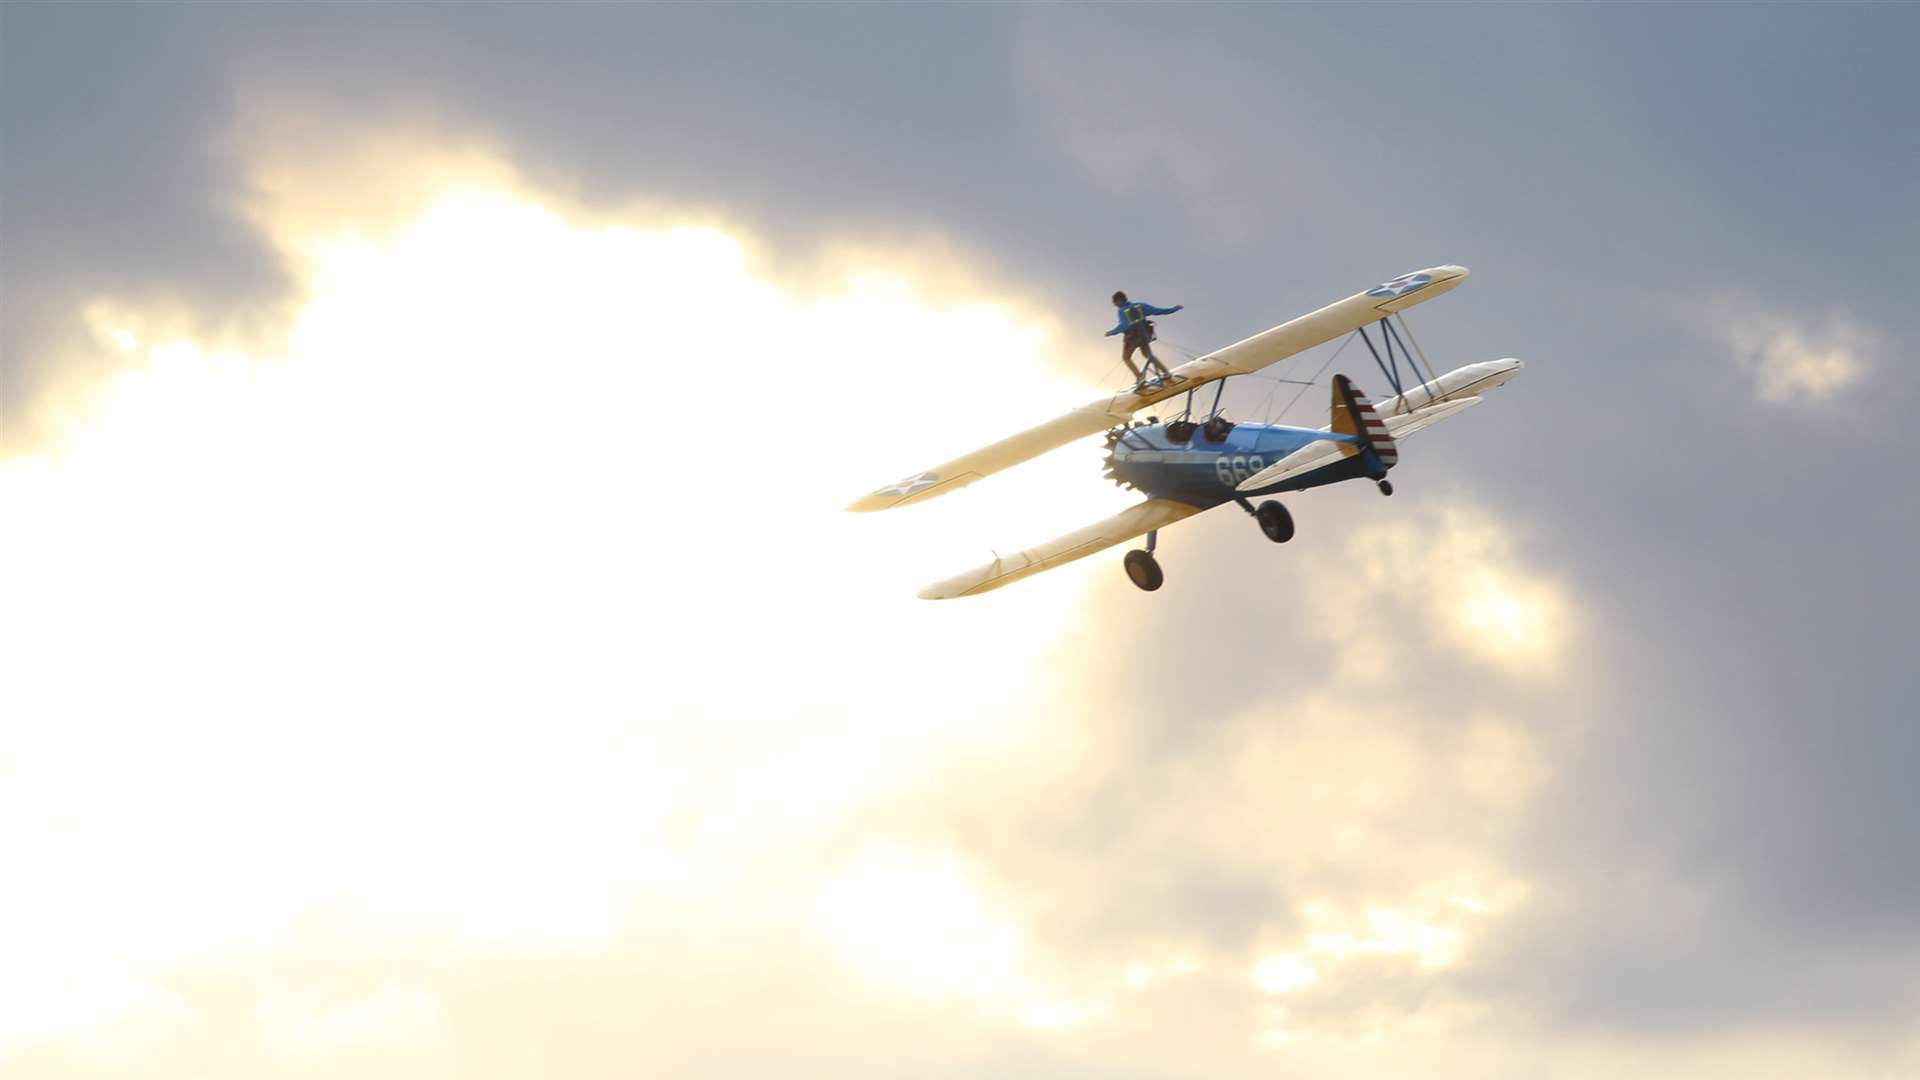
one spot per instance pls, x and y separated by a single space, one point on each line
116 184
506 616
438 681
1793 361
1458 568
1185 140
524 552
1303 839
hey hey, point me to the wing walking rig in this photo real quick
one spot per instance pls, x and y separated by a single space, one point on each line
1184 467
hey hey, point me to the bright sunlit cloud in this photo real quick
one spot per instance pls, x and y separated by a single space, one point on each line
916 921
525 548
1462 567
507 603
1791 361
1281 972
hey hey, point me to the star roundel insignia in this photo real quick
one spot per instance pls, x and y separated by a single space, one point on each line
910 485
1401 285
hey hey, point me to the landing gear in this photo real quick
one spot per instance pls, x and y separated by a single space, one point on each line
1144 570
1386 486
1274 521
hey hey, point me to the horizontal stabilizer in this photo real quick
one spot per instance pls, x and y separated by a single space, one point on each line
1118 529
1407 423
1314 455
1329 449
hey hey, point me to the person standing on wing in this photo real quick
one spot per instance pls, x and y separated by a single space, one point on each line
1139 335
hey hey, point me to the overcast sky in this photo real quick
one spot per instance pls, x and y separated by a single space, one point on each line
435 648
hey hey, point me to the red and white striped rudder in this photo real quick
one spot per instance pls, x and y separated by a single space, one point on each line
1353 415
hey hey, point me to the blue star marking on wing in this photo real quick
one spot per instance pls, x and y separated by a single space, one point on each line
1401 285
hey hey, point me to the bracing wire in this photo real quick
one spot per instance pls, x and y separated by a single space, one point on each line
1295 400
1276 380
1266 404
1268 416
1304 384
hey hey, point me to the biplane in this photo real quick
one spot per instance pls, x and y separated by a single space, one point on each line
1192 463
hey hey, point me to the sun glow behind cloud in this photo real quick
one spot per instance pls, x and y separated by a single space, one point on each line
508 605
915 921
526 548
1459 569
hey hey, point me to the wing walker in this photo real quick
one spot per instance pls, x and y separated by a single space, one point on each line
1185 466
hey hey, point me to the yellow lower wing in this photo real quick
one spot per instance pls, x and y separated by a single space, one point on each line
1118 529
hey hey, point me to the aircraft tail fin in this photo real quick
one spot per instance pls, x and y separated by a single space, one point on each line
1353 414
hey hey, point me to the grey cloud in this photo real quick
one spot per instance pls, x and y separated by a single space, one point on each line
1716 851
1760 648
789 121
112 181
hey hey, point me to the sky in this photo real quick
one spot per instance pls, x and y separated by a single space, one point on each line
434 647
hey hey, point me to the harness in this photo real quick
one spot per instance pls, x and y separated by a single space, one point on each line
1139 327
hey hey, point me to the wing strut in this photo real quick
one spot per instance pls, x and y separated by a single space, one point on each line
1390 367
1387 326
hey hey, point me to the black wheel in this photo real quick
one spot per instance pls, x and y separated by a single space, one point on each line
1275 521
1143 570
1386 487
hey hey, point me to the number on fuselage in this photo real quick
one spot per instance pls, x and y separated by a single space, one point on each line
1231 469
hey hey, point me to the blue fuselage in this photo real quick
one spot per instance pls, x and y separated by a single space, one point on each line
1203 472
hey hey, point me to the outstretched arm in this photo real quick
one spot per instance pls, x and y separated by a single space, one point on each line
1151 310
